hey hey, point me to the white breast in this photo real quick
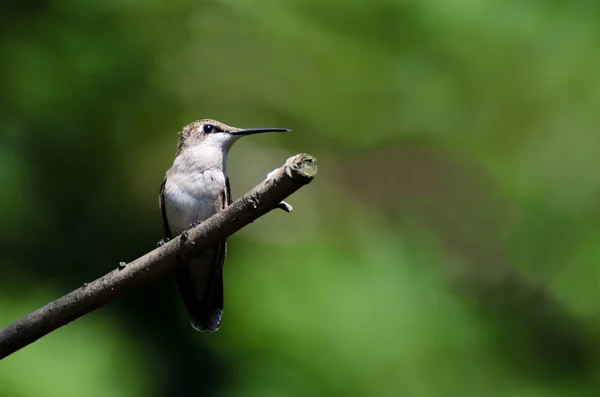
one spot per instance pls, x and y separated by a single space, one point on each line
192 197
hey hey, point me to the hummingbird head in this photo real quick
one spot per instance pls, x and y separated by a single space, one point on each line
212 133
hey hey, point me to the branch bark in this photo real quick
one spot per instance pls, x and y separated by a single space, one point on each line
295 173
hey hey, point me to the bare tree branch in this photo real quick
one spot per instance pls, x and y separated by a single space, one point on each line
297 172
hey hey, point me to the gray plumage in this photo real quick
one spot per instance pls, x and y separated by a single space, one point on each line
195 188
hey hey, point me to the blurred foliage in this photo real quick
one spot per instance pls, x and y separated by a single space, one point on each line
448 247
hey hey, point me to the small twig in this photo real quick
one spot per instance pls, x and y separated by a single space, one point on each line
297 172
286 207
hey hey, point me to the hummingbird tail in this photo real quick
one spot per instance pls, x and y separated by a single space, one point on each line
200 283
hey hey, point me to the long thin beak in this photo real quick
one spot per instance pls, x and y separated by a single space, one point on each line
250 131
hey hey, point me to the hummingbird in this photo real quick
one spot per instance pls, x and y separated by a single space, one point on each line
195 188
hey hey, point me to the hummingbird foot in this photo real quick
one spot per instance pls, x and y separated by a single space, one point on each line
162 242
194 224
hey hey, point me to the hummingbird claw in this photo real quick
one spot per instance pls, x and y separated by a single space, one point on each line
162 242
194 224
184 237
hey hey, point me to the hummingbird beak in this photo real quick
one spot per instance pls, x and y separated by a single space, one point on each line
250 131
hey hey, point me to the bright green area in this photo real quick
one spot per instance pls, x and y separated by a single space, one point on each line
449 246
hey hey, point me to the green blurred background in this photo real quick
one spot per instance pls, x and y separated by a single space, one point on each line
448 247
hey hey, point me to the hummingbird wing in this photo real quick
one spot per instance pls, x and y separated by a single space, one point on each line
200 278
161 206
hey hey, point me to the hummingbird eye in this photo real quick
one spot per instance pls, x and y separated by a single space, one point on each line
208 128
